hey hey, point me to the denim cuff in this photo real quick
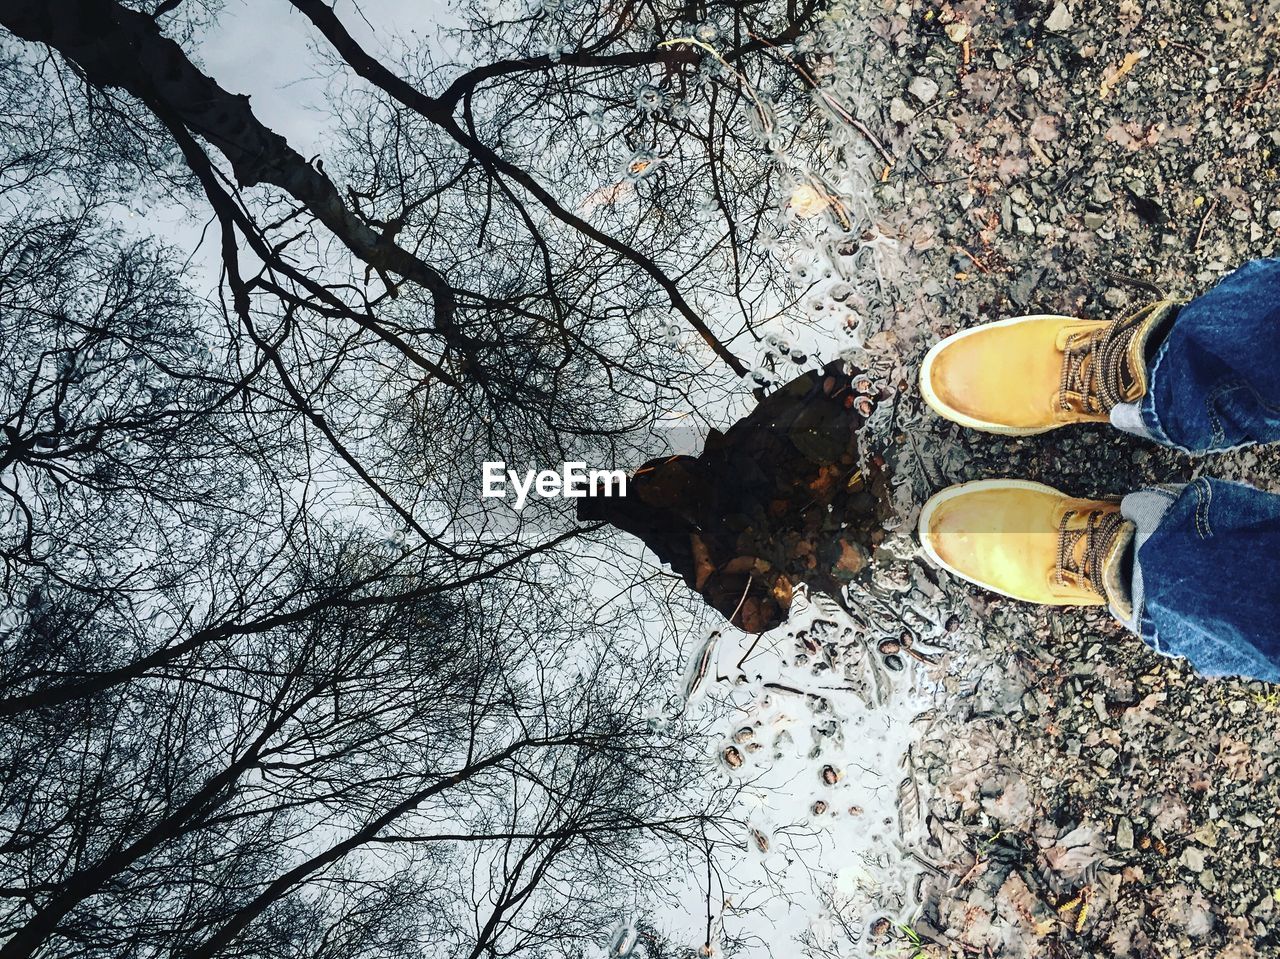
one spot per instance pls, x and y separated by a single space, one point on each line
1146 405
1145 509
1127 417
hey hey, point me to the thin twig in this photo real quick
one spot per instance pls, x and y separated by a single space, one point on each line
745 590
845 115
982 267
1204 223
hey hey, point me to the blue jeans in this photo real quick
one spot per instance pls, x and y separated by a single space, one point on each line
1207 558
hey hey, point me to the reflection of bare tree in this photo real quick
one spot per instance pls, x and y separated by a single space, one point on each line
232 724
437 175
273 681
502 243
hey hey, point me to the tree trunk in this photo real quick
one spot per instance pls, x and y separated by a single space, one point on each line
114 46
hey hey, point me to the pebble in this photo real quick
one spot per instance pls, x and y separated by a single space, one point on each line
923 89
1193 858
1124 833
1059 19
1115 297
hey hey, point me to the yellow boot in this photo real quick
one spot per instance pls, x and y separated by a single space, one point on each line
1028 541
1030 374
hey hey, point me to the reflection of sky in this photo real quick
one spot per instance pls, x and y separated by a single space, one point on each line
265 48
268 51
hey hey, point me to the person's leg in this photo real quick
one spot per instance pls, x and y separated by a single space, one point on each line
1214 376
1206 576
1194 569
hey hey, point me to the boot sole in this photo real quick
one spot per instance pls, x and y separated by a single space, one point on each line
948 412
950 493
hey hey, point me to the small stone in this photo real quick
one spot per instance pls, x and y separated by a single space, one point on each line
1206 835
1124 834
923 89
958 32
1025 225
1273 219
1193 858
1200 173
1238 707
1059 19
1094 221
1029 78
899 112
1001 60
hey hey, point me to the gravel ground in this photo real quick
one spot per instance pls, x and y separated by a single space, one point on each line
1076 158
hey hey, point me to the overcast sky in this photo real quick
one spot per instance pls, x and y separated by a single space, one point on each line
263 48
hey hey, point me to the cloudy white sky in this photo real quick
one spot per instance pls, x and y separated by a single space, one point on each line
263 48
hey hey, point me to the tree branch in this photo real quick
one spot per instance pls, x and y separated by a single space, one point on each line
114 46
326 21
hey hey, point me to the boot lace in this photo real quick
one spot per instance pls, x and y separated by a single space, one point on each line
1095 366
1098 533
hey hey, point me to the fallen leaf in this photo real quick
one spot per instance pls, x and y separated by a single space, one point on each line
1074 852
1016 903
1128 63
1237 757
807 201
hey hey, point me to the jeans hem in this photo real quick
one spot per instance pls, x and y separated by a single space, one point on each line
1147 406
1146 509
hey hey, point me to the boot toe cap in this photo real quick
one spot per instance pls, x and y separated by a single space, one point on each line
1001 535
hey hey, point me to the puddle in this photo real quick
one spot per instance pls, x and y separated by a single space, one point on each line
814 728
